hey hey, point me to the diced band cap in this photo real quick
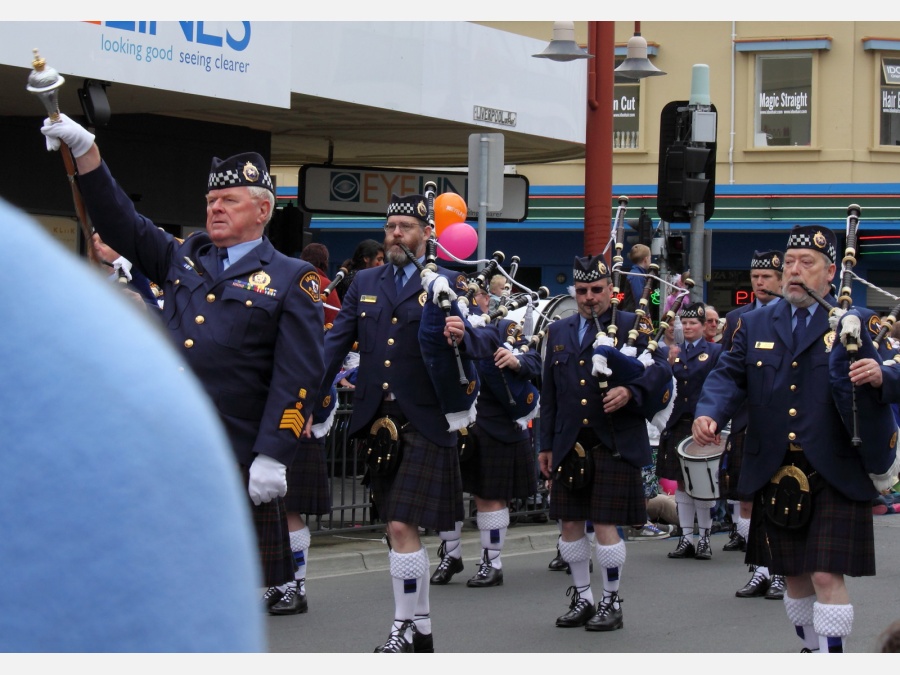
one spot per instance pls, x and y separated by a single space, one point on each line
590 269
767 260
410 205
247 169
814 237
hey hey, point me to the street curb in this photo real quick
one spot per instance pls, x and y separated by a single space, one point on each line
325 563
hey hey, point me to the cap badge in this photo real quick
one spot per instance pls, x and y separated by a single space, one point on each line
251 173
819 239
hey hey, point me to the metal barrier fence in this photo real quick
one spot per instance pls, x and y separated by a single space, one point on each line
351 501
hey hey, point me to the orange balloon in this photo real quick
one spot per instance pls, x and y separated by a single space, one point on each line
449 208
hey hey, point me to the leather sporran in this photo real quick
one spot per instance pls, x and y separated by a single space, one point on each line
466 444
384 448
787 498
576 471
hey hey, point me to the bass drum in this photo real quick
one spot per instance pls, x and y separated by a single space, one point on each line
545 311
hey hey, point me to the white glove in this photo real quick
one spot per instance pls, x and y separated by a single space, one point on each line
123 264
888 479
268 479
441 285
834 317
79 139
850 329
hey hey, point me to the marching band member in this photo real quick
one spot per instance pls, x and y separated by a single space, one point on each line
691 363
813 487
603 433
235 308
765 278
501 466
394 396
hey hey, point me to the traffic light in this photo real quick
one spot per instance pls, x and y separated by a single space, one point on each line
681 159
675 253
645 228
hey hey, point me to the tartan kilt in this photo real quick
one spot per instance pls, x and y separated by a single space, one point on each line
667 463
839 537
499 470
272 538
615 498
309 490
730 470
426 490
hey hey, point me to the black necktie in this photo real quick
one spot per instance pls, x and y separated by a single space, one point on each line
223 256
800 327
399 278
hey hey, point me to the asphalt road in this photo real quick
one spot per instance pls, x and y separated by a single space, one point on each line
670 606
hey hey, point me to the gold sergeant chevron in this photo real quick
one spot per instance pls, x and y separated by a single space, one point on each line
292 420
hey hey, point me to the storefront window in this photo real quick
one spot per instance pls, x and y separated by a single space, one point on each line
783 100
890 102
626 112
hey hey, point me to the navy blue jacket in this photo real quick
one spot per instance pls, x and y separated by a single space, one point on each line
571 398
252 335
789 397
386 328
690 373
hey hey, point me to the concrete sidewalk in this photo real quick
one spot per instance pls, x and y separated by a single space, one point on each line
350 553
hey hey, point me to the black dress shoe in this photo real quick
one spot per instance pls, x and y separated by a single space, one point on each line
423 644
558 564
703 552
776 588
292 602
685 549
756 587
271 596
446 569
580 611
608 616
487 575
397 642
736 543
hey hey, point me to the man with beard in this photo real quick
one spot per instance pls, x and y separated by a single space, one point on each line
382 311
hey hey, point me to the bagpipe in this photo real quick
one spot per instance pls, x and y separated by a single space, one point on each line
455 380
870 423
614 366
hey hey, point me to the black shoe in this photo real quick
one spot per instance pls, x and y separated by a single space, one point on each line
558 564
397 642
271 596
446 568
756 587
292 602
736 543
423 644
703 552
776 588
608 616
685 549
487 575
580 611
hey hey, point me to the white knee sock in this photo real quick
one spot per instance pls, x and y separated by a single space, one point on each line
704 515
300 540
407 572
578 554
452 540
493 525
423 602
800 613
743 527
686 512
833 623
611 560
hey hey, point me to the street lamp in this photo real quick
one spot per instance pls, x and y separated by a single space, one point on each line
563 46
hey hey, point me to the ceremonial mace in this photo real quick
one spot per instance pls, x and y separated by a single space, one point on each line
45 82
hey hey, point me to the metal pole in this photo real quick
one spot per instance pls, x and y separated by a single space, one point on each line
698 273
482 199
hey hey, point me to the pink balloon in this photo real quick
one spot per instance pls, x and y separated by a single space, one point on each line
460 239
668 486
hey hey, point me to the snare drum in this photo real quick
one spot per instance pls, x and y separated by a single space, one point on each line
700 467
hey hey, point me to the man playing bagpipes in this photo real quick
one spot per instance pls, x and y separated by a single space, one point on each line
821 439
400 403
498 463
594 438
